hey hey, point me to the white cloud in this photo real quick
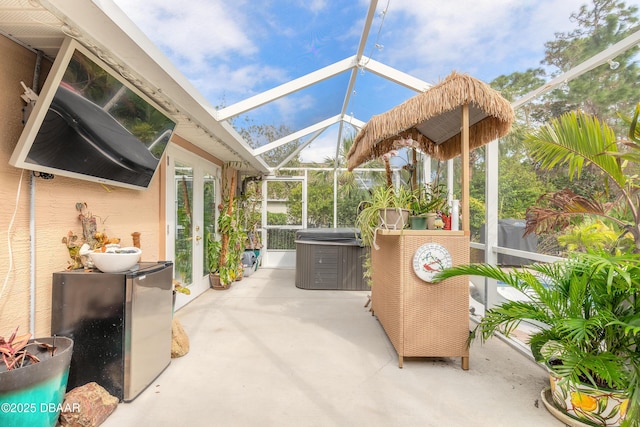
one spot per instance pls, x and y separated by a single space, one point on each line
290 106
235 84
314 5
193 32
320 149
471 33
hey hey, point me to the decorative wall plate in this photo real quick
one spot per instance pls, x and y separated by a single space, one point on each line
430 259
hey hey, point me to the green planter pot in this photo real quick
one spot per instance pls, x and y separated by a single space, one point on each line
418 222
33 395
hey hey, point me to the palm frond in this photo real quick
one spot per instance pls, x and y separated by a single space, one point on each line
558 209
579 367
634 131
576 139
479 269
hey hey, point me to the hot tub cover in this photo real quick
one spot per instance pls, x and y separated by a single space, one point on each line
333 236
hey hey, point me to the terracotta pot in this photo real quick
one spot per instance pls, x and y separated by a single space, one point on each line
214 280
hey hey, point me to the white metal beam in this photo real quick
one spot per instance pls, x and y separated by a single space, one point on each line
345 104
492 177
355 123
394 75
234 133
299 134
354 72
285 89
366 28
299 149
582 68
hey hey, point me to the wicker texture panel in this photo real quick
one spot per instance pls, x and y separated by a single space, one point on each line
386 299
420 318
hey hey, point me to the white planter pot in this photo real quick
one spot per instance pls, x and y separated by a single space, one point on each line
393 218
584 403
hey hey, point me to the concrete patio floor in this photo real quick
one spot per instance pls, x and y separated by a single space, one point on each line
265 353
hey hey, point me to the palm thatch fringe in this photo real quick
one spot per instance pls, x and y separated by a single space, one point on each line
385 132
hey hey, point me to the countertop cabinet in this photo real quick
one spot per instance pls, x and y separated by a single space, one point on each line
120 324
421 319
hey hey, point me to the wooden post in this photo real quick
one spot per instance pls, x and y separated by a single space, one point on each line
464 139
414 175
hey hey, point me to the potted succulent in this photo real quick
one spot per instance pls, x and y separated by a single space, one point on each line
33 379
587 312
427 202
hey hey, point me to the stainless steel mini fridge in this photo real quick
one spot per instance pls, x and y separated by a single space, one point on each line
120 324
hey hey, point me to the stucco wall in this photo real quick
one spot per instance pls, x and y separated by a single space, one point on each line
122 211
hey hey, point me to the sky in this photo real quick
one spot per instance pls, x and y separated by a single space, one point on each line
231 50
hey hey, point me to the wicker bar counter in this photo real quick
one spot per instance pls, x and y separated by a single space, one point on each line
421 319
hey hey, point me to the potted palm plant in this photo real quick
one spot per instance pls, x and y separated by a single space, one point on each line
587 314
213 247
33 379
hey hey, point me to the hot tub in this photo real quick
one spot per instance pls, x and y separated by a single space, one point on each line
330 258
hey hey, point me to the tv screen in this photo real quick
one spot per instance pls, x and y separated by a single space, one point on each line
90 123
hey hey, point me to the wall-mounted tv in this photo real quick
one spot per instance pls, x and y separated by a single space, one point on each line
90 123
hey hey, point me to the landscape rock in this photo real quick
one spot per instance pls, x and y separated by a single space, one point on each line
87 406
179 339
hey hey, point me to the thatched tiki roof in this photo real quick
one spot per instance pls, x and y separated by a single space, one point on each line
432 120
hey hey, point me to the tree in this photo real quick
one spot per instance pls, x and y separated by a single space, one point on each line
319 203
259 135
519 187
576 140
518 84
603 91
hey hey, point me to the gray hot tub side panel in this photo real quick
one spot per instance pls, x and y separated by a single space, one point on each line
331 260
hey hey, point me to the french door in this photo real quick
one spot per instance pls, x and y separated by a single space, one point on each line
192 197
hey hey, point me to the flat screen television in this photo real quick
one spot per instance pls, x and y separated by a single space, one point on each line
90 123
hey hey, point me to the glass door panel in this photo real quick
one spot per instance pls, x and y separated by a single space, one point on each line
209 217
183 223
192 197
